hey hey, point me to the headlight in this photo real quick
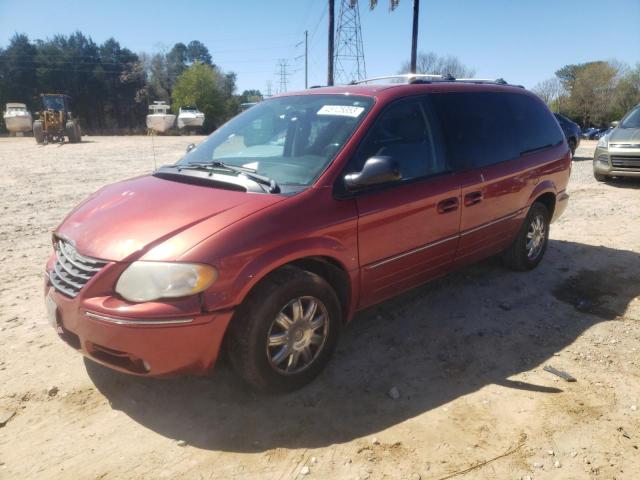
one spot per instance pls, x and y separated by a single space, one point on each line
603 142
146 281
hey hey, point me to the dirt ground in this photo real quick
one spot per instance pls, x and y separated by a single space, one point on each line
465 353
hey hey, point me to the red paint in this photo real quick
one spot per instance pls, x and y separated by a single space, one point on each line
386 241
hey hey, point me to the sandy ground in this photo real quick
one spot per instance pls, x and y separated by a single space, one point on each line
466 354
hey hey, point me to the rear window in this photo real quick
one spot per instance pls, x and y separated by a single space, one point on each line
477 128
484 128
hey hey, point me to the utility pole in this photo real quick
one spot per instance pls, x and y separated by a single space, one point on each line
268 88
348 60
306 59
414 35
330 49
283 64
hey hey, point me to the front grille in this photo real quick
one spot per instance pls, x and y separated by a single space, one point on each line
71 271
625 162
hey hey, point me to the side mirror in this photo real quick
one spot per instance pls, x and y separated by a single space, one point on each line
190 147
615 124
376 170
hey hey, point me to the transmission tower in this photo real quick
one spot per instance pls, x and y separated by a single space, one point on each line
282 66
348 59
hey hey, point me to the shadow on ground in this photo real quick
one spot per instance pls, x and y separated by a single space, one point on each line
475 327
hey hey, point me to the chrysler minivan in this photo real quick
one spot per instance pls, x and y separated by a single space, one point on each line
265 239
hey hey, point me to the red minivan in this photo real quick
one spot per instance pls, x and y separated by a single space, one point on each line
302 210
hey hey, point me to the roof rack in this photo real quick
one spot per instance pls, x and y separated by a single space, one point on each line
405 76
429 77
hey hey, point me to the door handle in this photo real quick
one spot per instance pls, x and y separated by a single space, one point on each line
448 205
472 198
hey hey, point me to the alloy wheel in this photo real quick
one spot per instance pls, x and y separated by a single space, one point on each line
536 237
297 335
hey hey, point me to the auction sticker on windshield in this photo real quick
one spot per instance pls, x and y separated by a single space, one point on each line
341 110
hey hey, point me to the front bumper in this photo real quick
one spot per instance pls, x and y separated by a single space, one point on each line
154 347
617 161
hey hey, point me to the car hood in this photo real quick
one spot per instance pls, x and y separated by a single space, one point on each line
125 220
625 135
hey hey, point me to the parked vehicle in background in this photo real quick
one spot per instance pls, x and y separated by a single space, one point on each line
56 120
618 152
571 131
160 119
247 106
590 133
190 118
17 118
602 132
297 213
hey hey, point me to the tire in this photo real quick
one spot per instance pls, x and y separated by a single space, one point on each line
522 255
266 368
572 146
599 177
38 132
78 133
71 131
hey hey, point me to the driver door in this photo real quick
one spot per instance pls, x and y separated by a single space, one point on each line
407 231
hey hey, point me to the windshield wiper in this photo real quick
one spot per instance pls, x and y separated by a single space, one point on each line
272 185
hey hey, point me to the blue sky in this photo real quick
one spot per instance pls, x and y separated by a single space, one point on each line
521 41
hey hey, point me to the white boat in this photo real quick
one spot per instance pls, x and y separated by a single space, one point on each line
190 117
17 118
159 118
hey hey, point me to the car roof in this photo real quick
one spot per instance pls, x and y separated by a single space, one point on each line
397 90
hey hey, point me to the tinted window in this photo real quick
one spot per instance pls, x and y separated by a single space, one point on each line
477 128
404 133
534 124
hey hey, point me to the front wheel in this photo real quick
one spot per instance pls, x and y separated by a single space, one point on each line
526 252
284 333
599 177
71 129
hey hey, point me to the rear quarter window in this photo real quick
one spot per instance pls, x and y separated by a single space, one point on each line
534 123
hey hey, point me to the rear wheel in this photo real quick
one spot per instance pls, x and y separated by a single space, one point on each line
284 333
38 131
527 250
572 146
71 129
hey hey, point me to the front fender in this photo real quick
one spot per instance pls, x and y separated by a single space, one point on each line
232 291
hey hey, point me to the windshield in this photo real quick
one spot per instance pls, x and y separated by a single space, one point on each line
632 120
53 103
290 139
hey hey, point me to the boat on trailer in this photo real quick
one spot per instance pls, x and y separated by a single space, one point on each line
160 119
189 117
17 118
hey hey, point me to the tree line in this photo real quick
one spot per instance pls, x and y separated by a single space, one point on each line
592 93
111 87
